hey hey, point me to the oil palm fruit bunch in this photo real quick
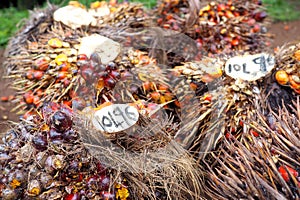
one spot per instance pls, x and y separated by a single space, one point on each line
45 66
218 26
44 158
287 71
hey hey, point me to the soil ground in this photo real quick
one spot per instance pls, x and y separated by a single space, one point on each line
283 32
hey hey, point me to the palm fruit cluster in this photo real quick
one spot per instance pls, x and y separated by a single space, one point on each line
218 26
287 73
43 158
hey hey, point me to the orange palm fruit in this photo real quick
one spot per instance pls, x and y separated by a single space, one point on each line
282 77
294 82
297 55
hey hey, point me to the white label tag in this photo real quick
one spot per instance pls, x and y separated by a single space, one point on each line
115 118
106 48
249 67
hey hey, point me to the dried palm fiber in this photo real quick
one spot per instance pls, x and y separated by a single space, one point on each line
218 26
260 162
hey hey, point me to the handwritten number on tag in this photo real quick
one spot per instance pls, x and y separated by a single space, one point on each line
114 119
262 62
237 67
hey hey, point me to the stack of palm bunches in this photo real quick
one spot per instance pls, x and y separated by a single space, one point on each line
200 106
219 26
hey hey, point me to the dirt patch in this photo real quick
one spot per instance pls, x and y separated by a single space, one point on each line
283 32
5 107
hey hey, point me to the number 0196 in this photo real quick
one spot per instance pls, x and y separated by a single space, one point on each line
115 118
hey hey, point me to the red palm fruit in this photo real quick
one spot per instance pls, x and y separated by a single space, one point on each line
60 121
29 74
70 135
229 14
236 14
297 91
109 82
193 86
260 16
100 84
73 196
61 75
282 77
251 21
66 82
228 135
107 195
104 181
72 94
147 86
87 73
168 96
40 142
111 66
115 74
54 134
177 103
28 114
206 78
285 175
155 96
28 97
221 7
256 28
48 109
254 133
39 92
235 42
55 43
95 58
38 74
67 103
36 100
82 57
4 98
163 87
207 97
65 66
41 63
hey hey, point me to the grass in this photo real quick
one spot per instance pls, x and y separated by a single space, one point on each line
283 10
10 18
